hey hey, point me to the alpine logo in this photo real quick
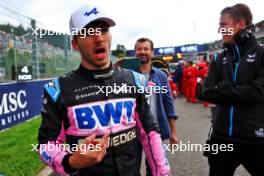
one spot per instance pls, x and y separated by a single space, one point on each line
104 114
251 58
251 55
259 132
224 60
93 11
51 84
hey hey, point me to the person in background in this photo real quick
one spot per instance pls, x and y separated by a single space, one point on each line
191 82
179 76
161 104
184 78
235 83
173 86
202 68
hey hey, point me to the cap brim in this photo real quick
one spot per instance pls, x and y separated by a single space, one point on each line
109 21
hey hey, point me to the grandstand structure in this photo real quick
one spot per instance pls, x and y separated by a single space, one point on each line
50 56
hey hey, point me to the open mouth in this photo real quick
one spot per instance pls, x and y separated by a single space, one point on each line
100 50
100 53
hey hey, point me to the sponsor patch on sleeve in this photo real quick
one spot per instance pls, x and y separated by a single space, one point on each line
53 89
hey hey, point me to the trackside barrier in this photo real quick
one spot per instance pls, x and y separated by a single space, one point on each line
20 102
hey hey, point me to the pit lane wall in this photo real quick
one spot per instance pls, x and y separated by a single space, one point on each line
20 102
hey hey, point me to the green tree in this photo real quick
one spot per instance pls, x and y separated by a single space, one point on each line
9 62
120 51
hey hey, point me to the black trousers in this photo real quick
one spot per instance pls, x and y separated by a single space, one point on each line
224 163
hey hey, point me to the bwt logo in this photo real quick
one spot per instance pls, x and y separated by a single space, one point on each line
11 101
89 117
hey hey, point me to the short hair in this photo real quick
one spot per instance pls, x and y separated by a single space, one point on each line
143 39
238 12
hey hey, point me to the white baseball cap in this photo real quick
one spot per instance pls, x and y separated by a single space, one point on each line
87 14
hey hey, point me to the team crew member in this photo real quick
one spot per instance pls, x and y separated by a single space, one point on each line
202 68
235 83
191 85
184 78
161 103
111 121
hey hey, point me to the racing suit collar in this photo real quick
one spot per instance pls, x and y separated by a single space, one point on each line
96 74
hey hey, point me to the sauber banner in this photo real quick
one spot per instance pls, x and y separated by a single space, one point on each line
20 102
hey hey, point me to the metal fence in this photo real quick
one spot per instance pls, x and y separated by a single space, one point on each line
30 49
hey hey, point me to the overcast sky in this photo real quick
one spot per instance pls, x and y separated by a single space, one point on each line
166 22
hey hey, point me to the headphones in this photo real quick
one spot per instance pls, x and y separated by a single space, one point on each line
245 34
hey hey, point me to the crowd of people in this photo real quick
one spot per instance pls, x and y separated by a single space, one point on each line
24 43
189 78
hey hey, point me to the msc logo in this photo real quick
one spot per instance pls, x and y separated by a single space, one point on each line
104 114
11 101
94 11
